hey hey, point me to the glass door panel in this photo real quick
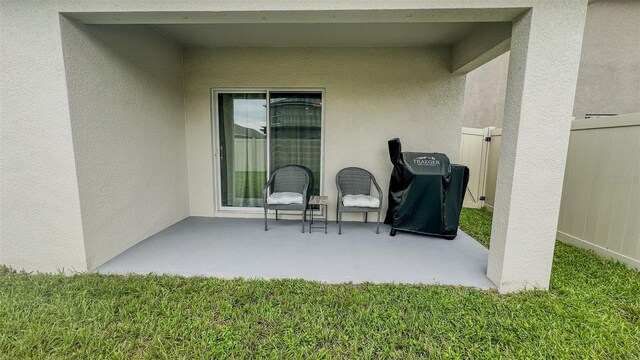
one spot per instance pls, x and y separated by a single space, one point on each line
295 131
242 124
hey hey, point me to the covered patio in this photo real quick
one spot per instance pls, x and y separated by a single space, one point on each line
154 113
233 248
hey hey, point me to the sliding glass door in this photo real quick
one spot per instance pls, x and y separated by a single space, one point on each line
259 132
242 136
295 136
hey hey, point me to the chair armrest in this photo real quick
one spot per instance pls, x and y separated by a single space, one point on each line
380 195
339 200
305 190
265 191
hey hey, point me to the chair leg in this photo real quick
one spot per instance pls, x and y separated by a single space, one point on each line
337 211
366 217
304 217
339 223
276 215
378 226
265 219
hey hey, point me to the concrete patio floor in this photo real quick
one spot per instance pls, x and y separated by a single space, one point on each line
232 248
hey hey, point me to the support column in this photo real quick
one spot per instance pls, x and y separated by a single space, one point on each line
543 70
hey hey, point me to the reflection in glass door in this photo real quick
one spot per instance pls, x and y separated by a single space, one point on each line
295 132
261 131
242 124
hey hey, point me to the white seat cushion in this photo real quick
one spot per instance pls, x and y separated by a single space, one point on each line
284 198
361 201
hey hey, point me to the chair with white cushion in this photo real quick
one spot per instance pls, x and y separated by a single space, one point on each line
287 189
354 194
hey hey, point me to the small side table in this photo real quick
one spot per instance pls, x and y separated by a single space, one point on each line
322 202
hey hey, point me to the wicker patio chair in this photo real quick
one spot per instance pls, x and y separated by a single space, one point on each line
287 189
356 181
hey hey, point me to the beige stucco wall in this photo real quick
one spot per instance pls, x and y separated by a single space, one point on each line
608 77
127 118
484 94
372 95
40 220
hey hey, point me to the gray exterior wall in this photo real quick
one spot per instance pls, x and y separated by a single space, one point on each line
608 79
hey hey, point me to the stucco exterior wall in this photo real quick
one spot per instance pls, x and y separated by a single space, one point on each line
608 76
484 94
372 95
40 209
127 118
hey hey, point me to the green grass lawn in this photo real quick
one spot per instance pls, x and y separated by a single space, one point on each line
477 223
249 184
592 311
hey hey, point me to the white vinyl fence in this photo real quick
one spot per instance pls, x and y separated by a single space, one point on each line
492 167
600 208
474 154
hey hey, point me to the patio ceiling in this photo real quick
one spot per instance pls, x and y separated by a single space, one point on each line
320 35
475 35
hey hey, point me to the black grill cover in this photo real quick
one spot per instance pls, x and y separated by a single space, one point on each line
425 192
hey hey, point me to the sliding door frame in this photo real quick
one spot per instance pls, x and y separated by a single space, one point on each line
215 133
